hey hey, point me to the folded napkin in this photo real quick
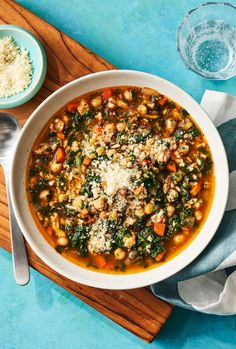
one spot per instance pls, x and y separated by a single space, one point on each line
208 284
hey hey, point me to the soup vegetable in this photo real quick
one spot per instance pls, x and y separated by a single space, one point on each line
120 179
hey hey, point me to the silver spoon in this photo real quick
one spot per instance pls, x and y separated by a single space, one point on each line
9 132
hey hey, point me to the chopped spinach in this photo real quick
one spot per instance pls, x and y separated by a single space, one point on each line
79 239
120 235
178 135
149 243
193 132
149 179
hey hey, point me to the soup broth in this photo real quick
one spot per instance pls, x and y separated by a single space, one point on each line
120 179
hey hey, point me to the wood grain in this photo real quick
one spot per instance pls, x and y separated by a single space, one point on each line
136 310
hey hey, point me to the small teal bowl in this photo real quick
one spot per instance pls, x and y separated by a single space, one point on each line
24 38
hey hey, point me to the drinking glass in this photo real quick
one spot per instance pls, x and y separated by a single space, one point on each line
206 40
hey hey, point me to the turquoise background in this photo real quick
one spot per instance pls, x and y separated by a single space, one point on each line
138 34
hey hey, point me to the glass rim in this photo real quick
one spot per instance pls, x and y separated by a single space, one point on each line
222 3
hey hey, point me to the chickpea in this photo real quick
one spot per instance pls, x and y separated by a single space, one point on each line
44 195
142 109
129 241
139 212
100 150
128 95
96 102
99 204
59 125
41 149
148 208
66 118
62 241
83 107
111 152
151 105
119 253
148 91
138 190
185 124
113 215
74 146
198 214
109 128
111 103
61 197
103 215
170 210
92 156
77 202
120 126
122 104
55 167
179 239
170 124
59 232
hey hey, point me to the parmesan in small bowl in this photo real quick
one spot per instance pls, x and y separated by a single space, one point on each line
23 66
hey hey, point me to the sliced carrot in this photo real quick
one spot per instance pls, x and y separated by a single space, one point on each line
107 93
84 213
99 130
162 101
145 162
160 256
99 260
87 160
60 155
72 107
104 184
90 220
110 264
33 180
49 231
171 166
61 136
159 228
196 188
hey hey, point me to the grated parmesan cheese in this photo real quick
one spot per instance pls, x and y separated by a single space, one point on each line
115 177
15 68
100 238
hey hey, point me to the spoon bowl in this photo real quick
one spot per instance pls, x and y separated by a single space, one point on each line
9 133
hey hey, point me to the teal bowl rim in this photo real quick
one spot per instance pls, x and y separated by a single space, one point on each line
31 90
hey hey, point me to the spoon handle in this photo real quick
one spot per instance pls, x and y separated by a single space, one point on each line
20 260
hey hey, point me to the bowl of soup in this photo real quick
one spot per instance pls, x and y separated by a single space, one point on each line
119 180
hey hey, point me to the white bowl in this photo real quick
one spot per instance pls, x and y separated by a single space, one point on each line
37 121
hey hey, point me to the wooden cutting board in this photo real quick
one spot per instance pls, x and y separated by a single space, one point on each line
136 310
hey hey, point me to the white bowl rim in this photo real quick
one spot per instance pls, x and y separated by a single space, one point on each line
128 281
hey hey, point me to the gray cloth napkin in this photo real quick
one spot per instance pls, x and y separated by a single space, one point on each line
209 283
